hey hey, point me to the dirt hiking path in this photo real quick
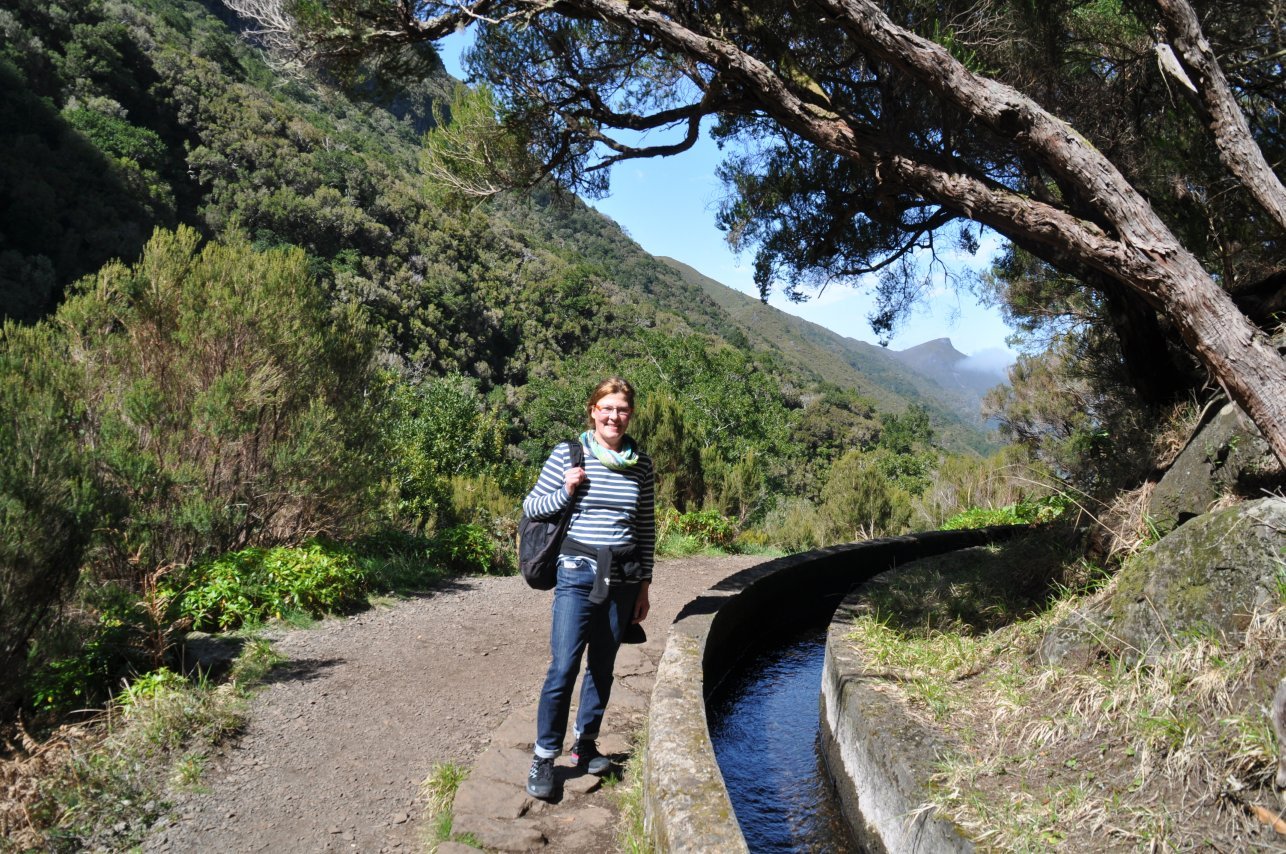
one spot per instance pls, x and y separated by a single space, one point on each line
344 733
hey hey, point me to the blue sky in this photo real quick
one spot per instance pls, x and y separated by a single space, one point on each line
668 206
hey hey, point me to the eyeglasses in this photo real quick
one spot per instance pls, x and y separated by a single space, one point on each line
622 411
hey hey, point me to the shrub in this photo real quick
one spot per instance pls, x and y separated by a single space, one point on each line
962 482
707 526
49 500
394 561
753 542
1029 511
62 685
438 430
232 407
859 501
680 534
793 525
105 633
255 584
100 785
493 501
463 548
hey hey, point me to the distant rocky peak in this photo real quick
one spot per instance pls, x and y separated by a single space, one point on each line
931 358
942 363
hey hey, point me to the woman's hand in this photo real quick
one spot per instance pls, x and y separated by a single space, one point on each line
641 604
574 478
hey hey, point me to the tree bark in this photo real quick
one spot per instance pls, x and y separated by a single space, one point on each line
1237 148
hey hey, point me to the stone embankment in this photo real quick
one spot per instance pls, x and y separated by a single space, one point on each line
688 808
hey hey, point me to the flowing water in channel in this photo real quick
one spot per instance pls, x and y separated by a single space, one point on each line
764 724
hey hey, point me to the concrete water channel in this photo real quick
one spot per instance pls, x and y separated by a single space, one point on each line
765 728
876 764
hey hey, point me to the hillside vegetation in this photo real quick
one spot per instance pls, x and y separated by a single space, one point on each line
260 361
876 373
240 318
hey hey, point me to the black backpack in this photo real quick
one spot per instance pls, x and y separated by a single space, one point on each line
538 541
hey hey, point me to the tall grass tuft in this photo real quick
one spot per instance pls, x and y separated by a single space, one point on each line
631 834
99 785
438 791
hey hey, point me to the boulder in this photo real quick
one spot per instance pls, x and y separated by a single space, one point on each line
1226 456
1209 576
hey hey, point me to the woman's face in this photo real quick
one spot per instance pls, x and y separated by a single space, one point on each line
611 415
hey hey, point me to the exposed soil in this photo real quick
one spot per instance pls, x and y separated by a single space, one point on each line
343 735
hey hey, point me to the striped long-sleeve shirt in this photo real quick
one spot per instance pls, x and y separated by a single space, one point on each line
612 508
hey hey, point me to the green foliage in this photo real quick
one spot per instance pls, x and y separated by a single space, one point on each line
740 487
253 585
493 502
470 151
78 672
117 137
109 784
49 497
438 430
1070 409
696 530
148 688
859 501
795 525
396 562
673 442
464 548
905 433
218 388
961 482
910 472
824 429
1033 511
106 633
719 416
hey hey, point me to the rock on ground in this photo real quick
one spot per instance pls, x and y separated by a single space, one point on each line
1208 576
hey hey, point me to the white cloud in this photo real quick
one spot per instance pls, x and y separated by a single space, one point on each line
993 361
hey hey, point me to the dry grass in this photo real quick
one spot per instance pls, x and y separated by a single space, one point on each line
1123 527
1177 429
1172 755
100 784
28 762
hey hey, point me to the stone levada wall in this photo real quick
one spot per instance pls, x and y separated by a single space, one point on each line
686 802
877 756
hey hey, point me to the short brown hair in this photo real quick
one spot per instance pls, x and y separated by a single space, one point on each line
611 385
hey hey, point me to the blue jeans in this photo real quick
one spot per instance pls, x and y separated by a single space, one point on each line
576 625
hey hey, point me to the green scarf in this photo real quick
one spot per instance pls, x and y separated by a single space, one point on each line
614 460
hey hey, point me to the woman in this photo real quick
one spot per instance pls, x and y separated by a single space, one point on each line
604 572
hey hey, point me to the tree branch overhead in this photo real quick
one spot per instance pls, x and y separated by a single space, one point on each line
892 98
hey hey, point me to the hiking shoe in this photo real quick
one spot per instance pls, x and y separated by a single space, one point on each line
586 755
540 779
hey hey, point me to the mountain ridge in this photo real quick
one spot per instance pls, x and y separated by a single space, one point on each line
890 380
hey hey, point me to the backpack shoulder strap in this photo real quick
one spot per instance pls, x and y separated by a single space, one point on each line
577 453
